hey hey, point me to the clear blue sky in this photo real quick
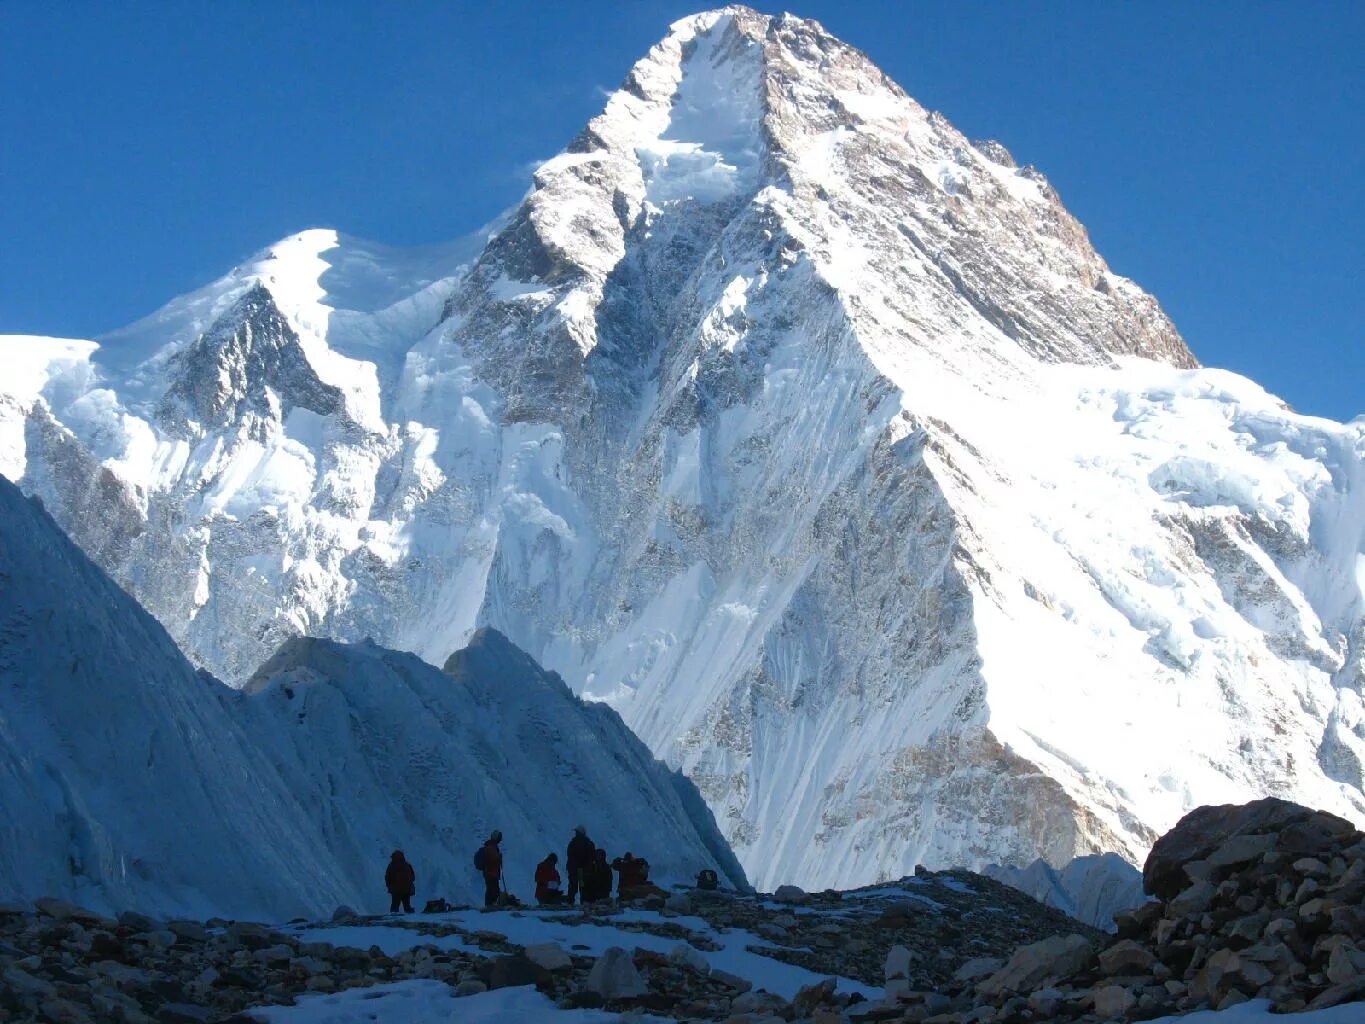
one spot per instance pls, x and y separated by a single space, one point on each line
1216 151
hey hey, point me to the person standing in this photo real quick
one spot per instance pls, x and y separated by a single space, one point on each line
401 881
580 856
489 862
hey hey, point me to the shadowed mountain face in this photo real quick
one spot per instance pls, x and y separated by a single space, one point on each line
129 780
809 434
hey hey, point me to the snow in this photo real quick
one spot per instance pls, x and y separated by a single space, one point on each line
1257 1011
525 928
425 1002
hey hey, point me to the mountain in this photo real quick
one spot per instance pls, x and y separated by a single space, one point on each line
1091 889
130 780
814 437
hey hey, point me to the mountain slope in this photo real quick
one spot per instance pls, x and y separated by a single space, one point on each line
127 779
814 437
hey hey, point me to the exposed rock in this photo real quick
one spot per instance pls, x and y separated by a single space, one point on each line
1035 965
789 894
549 956
614 976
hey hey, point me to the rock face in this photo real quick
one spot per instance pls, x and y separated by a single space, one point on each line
1231 836
287 797
813 436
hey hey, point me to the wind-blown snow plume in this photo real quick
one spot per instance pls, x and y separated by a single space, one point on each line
810 434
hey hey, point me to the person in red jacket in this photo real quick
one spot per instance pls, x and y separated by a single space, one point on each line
491 868
401 881
547 881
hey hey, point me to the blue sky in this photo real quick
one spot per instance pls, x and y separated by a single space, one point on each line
1215 151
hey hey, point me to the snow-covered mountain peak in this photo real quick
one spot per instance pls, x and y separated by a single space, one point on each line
814 437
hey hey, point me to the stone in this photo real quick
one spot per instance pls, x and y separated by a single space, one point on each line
1194 899
1039 963
1243 849
1126 957
549 956
614 976
790 894
512 972
1344 964
978 967
1347 992
470 987
686 955
733 981
344 913
1113 1002
1046 1002
137 922
897 964
190 931
679 903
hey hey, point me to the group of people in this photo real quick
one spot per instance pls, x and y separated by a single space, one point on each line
589 875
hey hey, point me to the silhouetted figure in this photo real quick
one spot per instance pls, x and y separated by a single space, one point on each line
547 881
581 854
401 881
635 883
597 878
488 861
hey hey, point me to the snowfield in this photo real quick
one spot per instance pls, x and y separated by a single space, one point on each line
810 435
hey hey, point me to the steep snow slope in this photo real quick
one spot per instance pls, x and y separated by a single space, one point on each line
129 780
814 437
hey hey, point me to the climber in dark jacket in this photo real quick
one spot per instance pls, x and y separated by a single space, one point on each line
597 878
491 869
580 856
401 881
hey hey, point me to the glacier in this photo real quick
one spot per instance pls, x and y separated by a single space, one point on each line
810 435
131 780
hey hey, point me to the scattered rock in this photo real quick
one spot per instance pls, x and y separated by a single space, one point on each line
790 894
549 956
614 976
1036 965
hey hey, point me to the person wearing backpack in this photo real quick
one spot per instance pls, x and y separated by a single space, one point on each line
488 862
401 881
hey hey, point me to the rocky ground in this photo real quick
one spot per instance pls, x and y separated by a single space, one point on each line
1262 901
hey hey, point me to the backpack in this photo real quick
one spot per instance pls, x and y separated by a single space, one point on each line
480 858
707 879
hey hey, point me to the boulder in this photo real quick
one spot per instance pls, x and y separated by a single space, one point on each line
1126 957
614 976
549 956
1293 829
1113 1002
344 913
790 894
898 960
511 972
679 903
978 967
686 955
1038 964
